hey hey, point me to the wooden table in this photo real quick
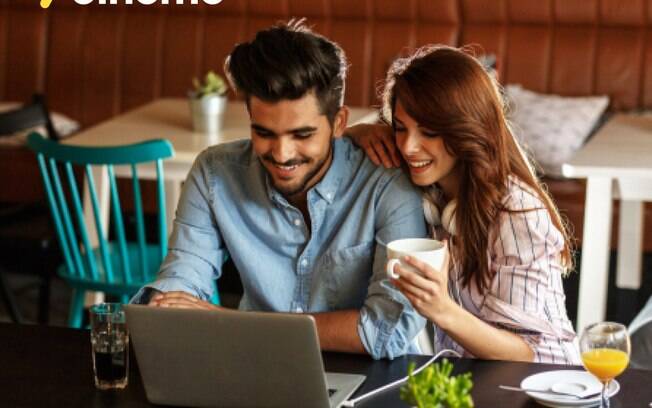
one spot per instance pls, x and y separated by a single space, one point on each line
51 367
170 119
617 162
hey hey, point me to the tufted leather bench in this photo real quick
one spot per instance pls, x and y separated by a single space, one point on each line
96 61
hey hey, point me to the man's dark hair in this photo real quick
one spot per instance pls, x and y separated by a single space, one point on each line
286 62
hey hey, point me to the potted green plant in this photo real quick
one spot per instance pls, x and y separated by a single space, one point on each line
434 387
208 103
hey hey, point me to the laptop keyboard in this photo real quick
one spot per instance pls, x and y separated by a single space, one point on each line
331 392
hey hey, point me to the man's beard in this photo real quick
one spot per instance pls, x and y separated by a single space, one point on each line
302 186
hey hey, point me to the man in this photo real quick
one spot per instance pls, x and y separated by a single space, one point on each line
301 212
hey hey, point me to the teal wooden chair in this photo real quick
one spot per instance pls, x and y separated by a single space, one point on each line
115 267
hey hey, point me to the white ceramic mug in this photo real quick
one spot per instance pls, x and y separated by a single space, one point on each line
430 251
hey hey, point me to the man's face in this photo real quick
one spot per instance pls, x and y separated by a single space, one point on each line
292 139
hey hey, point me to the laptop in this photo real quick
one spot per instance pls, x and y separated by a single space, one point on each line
233 359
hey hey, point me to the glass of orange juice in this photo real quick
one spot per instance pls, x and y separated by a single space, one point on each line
605 349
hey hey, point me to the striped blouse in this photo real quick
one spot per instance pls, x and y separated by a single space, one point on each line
526 295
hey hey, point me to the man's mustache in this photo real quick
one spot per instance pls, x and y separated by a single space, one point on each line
291 162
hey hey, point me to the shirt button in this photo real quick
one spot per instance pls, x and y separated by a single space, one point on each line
297 222
329 196
299 310
304 262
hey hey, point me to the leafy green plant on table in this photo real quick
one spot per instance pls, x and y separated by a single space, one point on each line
212 84
434 387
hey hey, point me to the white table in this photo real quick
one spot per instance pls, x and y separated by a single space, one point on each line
169 119
617 163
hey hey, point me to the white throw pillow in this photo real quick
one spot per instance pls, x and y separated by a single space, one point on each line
552 128
62 124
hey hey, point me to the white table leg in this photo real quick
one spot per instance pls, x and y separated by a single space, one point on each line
101 178
592 303
172 194
630 239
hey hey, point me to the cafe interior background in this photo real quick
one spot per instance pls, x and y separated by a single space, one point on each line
566 65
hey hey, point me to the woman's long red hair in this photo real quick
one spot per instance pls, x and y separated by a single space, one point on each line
449 92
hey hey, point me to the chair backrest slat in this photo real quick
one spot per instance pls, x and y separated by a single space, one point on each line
101 236
119 226
108 265
140 222
81 225
65 216
56 216
162 224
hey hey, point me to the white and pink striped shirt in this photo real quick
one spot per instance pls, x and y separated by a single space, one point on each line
526 295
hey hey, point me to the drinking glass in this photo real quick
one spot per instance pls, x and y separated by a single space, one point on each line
110 346
605 349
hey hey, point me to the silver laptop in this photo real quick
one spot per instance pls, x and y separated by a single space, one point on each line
233 359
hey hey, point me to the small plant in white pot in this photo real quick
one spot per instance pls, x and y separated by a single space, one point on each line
208 103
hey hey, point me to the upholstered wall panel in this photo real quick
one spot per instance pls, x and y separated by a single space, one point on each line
221 34
483 11
438 11
622 12
529 11
619 62
231 7
647 74
360 9
439 34
64 82
94 61
394 10
141 58
309 8
101 49
182 52
4 11
390 40
528 57
577 45
355 39
488 39
26 51
266 8
576 11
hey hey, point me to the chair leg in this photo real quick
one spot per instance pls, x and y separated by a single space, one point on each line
76 308
9 300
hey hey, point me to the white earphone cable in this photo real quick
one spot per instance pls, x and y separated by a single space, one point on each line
351 403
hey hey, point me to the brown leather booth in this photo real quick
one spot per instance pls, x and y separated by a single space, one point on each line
96 61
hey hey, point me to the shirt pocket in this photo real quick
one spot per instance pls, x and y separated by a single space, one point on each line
348 273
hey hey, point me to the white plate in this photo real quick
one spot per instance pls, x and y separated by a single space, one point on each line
580 380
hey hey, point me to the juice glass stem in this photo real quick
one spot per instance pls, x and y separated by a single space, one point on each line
604 396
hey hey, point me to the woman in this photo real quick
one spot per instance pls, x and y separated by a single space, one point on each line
502 296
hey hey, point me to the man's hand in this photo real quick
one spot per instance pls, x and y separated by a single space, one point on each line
181 300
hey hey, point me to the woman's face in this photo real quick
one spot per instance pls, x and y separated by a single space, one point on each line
424 152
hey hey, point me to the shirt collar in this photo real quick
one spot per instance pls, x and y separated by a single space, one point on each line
329 184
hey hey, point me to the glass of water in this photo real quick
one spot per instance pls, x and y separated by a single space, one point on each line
110 342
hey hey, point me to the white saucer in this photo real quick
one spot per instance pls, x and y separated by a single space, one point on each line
566 379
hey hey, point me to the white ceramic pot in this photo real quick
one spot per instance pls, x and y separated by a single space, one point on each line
207 113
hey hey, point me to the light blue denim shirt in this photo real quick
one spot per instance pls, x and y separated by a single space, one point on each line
229 208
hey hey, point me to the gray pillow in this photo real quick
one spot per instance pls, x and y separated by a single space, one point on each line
552 128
